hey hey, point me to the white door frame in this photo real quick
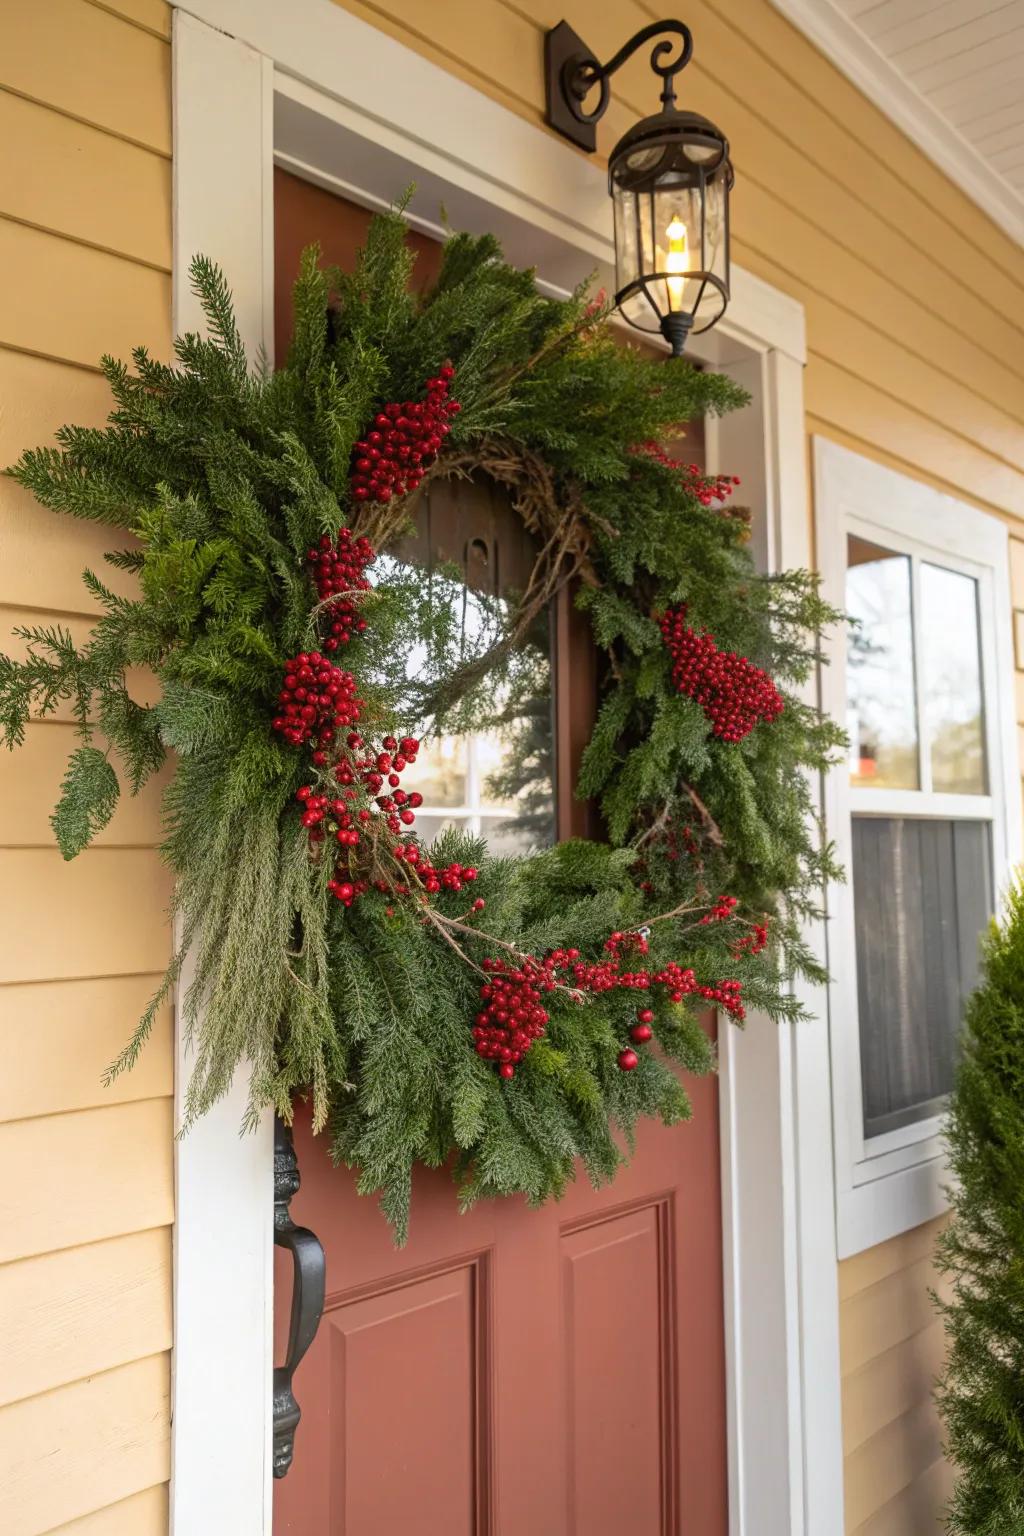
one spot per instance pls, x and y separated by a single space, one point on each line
303 83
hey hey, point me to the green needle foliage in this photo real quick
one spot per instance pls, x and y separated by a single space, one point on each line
982 1249
217 480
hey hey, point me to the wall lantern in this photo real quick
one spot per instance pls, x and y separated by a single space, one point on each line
669 177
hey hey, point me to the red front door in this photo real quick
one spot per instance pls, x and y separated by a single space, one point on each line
511 1372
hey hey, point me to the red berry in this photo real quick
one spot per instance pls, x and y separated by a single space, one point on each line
628 1060
641 1033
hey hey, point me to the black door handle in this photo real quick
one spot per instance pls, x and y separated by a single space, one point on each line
309 1270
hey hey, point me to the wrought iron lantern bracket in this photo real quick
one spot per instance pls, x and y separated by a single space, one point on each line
572 71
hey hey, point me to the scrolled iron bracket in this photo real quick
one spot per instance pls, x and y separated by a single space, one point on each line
309 1270
572 70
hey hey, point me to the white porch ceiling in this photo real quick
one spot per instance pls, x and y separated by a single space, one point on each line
950 72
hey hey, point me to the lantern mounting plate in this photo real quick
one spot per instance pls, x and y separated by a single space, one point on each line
572 70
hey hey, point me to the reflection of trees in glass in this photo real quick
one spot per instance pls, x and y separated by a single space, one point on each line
880 657
472 698
525 724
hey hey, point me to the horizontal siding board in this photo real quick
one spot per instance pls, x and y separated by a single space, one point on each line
58 1037
883 421
885 1314
67 1315
152 15
101 914
890 1385
888 362
817 426
84 1176
70 302
899 1253
785 247
42 553
880 1469
143 1514
916 1510
31 781
72 1451
84 184
91 64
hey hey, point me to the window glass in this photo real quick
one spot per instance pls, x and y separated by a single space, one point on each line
951 681
881 708
922 896
495 778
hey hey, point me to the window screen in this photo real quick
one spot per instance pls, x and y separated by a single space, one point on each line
922 896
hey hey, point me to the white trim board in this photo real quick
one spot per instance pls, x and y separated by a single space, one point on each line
846 46
224 1230
326 72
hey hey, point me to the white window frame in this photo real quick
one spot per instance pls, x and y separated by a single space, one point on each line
889 1183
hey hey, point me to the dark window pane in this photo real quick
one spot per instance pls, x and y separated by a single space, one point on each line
922 895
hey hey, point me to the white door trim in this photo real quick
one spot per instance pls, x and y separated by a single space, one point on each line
304 83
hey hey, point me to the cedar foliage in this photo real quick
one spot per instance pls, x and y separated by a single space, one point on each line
214 480
981 1394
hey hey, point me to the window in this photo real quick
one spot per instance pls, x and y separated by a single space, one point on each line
496 777
920 814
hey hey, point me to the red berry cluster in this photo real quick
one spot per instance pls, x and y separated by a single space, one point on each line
706 488
404 440
317 698
754 941
733 693
341 817
512 995
337 567
512 1017
721 911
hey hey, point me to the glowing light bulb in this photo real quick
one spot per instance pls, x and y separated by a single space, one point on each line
677 261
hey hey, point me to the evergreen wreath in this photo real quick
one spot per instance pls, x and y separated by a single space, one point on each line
435 1001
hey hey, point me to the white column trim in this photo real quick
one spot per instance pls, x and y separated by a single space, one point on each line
549 204
223 1236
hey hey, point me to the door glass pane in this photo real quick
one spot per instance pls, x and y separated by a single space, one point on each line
881 712
922 893
951 680
494 777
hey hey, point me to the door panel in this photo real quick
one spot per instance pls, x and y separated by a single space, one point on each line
510 1372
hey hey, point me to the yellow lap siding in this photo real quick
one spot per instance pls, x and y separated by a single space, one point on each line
85 183
915 1511
76 1449
67 1315
87 1175
31 786
890 1384
102 914
73 303
891 1347
88 63
85 1273
144 1514
58 1037
151 15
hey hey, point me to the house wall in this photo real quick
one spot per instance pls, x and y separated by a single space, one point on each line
87 1201
915 317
